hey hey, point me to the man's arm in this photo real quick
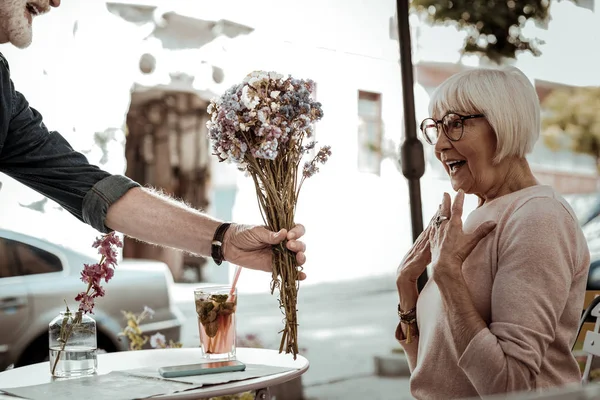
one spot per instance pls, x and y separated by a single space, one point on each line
149 216
44 160
154 218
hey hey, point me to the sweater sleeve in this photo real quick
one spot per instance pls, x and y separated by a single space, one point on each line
537 254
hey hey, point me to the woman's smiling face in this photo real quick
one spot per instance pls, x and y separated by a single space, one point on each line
469 161
494 124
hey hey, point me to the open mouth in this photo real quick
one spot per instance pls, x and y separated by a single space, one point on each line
455 165
33 9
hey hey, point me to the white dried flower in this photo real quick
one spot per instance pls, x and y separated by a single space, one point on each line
248 100
157 340
148 311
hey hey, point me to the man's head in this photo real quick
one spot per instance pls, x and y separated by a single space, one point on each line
16 17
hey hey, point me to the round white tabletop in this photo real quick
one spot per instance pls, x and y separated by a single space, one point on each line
39 373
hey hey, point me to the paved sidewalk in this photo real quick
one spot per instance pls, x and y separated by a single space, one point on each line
371 388
342 326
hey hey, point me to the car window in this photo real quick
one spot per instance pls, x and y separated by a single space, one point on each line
18 259
594 276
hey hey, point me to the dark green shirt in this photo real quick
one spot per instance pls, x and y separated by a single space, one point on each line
44 161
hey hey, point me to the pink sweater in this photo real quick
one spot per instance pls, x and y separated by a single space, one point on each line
527 280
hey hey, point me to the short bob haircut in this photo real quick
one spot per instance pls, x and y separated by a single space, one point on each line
507 99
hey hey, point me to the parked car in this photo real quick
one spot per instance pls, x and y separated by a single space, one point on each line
36 276
591 230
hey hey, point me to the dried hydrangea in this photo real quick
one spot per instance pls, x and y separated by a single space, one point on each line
260 125
258 117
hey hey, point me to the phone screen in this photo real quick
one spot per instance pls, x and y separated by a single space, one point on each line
214 367
208 365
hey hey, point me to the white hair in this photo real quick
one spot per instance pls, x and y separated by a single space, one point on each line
507 99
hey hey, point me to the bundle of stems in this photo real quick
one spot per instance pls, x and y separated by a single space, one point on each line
277 193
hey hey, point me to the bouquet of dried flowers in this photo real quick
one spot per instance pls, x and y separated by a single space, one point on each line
261 125
92 275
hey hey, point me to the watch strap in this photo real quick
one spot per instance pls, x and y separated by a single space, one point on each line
216 248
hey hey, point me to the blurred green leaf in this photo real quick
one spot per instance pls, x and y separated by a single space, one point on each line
572 120
501 20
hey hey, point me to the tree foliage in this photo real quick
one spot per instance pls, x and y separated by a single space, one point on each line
494 27
572 120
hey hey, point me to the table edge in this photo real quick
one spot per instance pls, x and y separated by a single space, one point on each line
245 385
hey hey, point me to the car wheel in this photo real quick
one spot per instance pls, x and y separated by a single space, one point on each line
38 350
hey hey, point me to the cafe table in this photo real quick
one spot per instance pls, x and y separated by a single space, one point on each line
129 360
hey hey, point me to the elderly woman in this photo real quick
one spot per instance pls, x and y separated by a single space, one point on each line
501 311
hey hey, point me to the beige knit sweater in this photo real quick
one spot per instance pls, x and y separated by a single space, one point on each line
527 280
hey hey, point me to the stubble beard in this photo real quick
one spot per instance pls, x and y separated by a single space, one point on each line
14 23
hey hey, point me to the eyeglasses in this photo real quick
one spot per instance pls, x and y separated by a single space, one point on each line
453 125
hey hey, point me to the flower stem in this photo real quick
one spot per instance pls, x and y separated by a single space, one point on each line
68 334
70 330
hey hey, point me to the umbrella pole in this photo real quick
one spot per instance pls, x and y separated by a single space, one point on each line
412 157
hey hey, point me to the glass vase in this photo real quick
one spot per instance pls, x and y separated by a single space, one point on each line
216 308
73 345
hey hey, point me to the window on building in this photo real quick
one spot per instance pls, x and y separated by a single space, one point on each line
18 259
589 4
370 127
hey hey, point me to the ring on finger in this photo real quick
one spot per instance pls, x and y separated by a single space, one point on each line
439 219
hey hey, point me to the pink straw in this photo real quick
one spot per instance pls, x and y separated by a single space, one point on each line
235 279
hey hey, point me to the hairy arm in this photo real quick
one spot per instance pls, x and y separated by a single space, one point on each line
149 216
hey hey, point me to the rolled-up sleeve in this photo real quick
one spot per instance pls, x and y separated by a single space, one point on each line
44 161
536 258
101 196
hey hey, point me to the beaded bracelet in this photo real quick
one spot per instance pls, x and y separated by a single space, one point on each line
408 318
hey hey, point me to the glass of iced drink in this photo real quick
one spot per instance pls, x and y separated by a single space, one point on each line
216 306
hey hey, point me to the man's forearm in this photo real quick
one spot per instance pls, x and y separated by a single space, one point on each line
154 218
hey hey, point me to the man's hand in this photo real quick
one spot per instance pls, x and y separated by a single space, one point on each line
250 246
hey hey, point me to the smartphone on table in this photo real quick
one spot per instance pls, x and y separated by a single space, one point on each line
201 369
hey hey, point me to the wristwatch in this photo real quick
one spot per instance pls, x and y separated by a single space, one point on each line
216 248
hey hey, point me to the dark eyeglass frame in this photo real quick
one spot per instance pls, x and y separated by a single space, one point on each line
441 122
